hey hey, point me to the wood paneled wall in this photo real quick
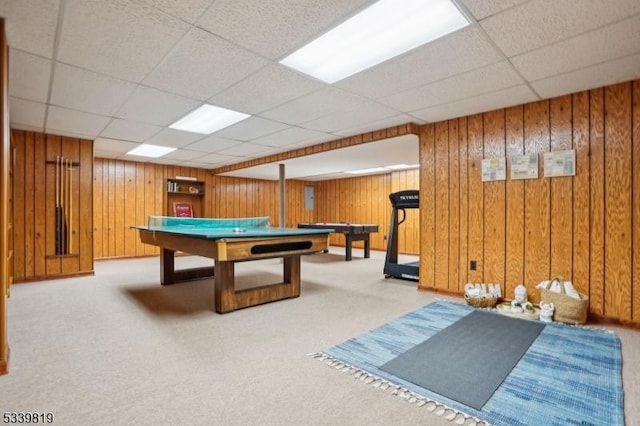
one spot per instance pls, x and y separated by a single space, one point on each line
126 193
409 231
34 206
239 197
365 199
585 228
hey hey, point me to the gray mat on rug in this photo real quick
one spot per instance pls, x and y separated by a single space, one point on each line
468 360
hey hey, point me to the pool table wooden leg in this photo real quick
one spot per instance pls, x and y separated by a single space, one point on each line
167 266
291 274
228 299
224 287
169 274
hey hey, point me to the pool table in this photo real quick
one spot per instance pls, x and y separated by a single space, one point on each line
228 241
351 231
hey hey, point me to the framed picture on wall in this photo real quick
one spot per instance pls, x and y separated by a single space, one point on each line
182 210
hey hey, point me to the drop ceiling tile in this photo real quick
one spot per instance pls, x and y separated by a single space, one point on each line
136 158
454 54
542 22
482 103
290 136
624 69
271 86
488 79
308 142
202 65
122 38
274 150
231 160
24 113
75 123
357 116
173 138
152 106
164 160
200 165
385 123
315 105
582 51
212 143
276 27
29 76
251 128
129 130
187 10
113 146
211 159
31 25
184 155
88 91
481 9
245 149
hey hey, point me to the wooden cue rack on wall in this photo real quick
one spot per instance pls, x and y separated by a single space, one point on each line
52 173
65 221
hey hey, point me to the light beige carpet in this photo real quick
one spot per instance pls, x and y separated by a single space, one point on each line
118 348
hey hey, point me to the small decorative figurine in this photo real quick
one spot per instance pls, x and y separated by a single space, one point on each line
521 294
520 300
546 311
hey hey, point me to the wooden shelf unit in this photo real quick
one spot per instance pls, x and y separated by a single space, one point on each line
185 191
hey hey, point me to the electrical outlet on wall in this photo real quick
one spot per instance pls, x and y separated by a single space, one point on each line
473 265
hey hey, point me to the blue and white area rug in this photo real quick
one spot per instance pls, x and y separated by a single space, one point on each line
568 376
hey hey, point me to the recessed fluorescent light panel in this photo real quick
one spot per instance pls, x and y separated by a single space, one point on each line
153 151
386 29
208 119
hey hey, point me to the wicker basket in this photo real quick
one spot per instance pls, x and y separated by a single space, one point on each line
481 302
567 309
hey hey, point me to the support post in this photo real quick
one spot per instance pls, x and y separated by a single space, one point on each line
283 197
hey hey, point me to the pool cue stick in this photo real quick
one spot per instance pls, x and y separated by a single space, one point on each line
70 205
65 201
63 215
57 227
60 209
62 212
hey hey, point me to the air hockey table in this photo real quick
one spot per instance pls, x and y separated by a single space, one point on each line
351 231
